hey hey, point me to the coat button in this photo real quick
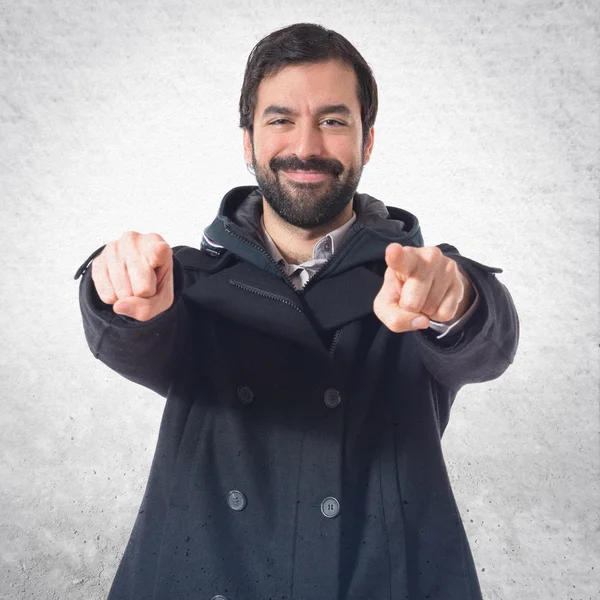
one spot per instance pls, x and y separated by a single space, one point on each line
245 394
219 597
332 398
236 500
330 507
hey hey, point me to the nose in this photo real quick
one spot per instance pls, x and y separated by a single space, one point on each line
308 141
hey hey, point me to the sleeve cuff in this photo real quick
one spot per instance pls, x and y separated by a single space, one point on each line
444 328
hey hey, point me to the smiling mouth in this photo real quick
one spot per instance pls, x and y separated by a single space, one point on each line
307 175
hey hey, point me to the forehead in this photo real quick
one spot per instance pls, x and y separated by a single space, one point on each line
330 82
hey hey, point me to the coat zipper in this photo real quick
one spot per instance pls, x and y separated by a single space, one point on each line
260 292
264 294
269 257
334 341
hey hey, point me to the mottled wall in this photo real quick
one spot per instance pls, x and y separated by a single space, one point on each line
121 114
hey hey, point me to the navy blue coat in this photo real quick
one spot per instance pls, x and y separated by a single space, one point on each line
299 454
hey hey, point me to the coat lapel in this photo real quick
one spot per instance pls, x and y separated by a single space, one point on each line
259 300
336 301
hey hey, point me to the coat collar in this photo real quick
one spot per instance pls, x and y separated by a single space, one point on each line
237 229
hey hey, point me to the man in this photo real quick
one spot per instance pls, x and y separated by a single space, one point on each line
309 353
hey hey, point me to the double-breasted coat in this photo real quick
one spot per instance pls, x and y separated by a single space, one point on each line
299 453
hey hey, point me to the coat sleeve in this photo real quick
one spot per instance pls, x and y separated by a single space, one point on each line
144 352
486 345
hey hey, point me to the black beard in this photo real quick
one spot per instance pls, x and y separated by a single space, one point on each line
307 205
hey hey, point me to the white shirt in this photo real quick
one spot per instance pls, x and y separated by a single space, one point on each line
322 252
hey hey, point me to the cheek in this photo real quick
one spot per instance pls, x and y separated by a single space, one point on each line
266 148
347 153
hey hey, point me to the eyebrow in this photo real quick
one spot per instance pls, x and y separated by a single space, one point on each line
276 109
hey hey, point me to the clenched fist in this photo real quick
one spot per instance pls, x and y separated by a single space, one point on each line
135 275
421 284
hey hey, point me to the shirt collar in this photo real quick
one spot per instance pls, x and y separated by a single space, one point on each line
323 249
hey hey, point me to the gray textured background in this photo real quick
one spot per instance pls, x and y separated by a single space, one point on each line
122 115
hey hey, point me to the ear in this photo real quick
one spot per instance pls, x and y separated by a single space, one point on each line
369 146
247 147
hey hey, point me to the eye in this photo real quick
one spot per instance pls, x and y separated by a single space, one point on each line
332 123
279 122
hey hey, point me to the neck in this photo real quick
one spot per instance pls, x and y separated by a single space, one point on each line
296 244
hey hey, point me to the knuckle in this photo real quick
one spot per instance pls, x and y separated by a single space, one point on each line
130 235
428 308
433 252
103 287
446 313
120 279
410 304
107 298
145 288
451 267
149 247
164 254
154 237
105 292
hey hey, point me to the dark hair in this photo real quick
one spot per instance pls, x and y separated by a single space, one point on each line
301 44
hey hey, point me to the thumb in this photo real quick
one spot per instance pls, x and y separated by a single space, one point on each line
124 306
142 309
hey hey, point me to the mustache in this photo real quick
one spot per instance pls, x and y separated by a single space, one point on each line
293 163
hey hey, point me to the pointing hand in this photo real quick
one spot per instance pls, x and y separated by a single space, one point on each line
135 275
422 284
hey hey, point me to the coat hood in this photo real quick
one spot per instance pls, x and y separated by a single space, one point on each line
236 228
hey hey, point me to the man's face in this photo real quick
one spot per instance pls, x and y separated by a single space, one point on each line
307 148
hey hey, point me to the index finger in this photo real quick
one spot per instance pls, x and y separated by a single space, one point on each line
155 250
400 260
